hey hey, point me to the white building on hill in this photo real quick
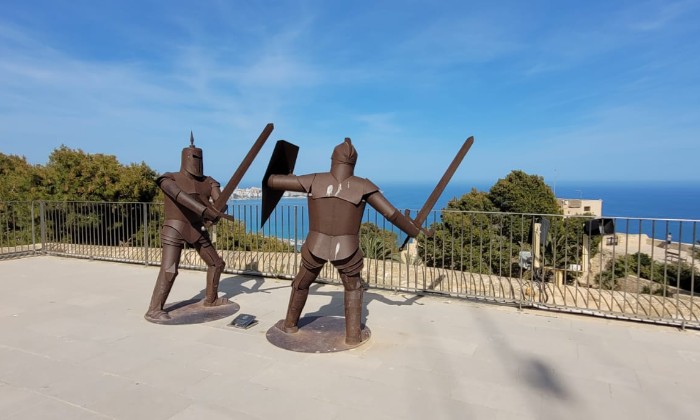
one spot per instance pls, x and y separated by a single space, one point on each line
580 207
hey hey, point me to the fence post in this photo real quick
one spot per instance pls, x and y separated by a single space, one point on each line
42 223
33 229
145 233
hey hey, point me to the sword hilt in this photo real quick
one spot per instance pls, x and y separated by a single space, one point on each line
406 213
426 232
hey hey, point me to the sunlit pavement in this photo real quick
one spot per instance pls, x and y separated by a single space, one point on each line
74 345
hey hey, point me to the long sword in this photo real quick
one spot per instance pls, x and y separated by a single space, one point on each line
440 187
220 203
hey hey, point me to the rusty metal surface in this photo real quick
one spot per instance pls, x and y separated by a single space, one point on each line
440 187
194 312
282 161
323 334
446 177
220 202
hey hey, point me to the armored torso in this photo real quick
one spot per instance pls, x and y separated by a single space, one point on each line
335 213
199 189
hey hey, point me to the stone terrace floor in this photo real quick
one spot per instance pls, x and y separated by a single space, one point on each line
74 345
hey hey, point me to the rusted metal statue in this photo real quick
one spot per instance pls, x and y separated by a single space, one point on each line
336 202
193 201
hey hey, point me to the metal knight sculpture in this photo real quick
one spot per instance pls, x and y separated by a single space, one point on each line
186 198
192 202
336 201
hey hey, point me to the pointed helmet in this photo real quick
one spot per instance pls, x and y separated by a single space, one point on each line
192 162
344 153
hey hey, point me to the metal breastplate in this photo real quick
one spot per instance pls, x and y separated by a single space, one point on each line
335 215
199 189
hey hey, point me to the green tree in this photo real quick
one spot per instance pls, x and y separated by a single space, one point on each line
376 242
20 183
483 232
88 179
675 274
232 235
19 180
463 239
522 193
474 200
76 175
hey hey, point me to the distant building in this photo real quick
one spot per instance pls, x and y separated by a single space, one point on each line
246 193
255 193
579 207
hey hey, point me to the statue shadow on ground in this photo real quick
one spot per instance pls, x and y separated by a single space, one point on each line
192 311
323 330
336 307
234 285
237 285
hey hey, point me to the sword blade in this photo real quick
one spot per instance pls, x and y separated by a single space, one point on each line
440 187
220 202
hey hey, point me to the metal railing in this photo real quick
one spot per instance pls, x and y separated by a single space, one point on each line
546 261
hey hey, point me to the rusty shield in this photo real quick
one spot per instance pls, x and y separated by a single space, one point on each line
282 162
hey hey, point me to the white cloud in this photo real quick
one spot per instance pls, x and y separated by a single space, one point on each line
404 88
124 107
452 40
657 15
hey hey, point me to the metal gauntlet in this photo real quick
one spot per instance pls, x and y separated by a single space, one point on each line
404 223
171 189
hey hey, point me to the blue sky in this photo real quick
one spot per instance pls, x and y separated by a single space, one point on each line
585 91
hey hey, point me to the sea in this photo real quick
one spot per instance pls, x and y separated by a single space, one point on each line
632 204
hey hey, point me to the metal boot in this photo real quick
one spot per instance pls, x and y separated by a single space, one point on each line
164 284
297 300
353 316
216 267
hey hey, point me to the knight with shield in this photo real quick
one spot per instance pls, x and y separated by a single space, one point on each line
336 203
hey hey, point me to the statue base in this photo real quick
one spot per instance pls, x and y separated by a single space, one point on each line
194 312
323 334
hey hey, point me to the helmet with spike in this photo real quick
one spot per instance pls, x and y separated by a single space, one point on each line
192 159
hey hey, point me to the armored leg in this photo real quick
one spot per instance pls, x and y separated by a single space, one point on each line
353 308
216 266
166 278
297 300
350 269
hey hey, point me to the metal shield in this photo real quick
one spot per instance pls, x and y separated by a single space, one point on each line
282 162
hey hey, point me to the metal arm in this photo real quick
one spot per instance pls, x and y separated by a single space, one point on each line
285 182
170 188
392 214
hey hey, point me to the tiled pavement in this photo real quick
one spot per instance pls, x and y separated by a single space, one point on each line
74 345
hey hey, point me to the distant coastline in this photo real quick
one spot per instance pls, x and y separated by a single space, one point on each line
635 202
678 200
255 193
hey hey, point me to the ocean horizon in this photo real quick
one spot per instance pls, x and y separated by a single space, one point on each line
660 200
675 201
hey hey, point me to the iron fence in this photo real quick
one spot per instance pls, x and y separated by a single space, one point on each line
643 269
